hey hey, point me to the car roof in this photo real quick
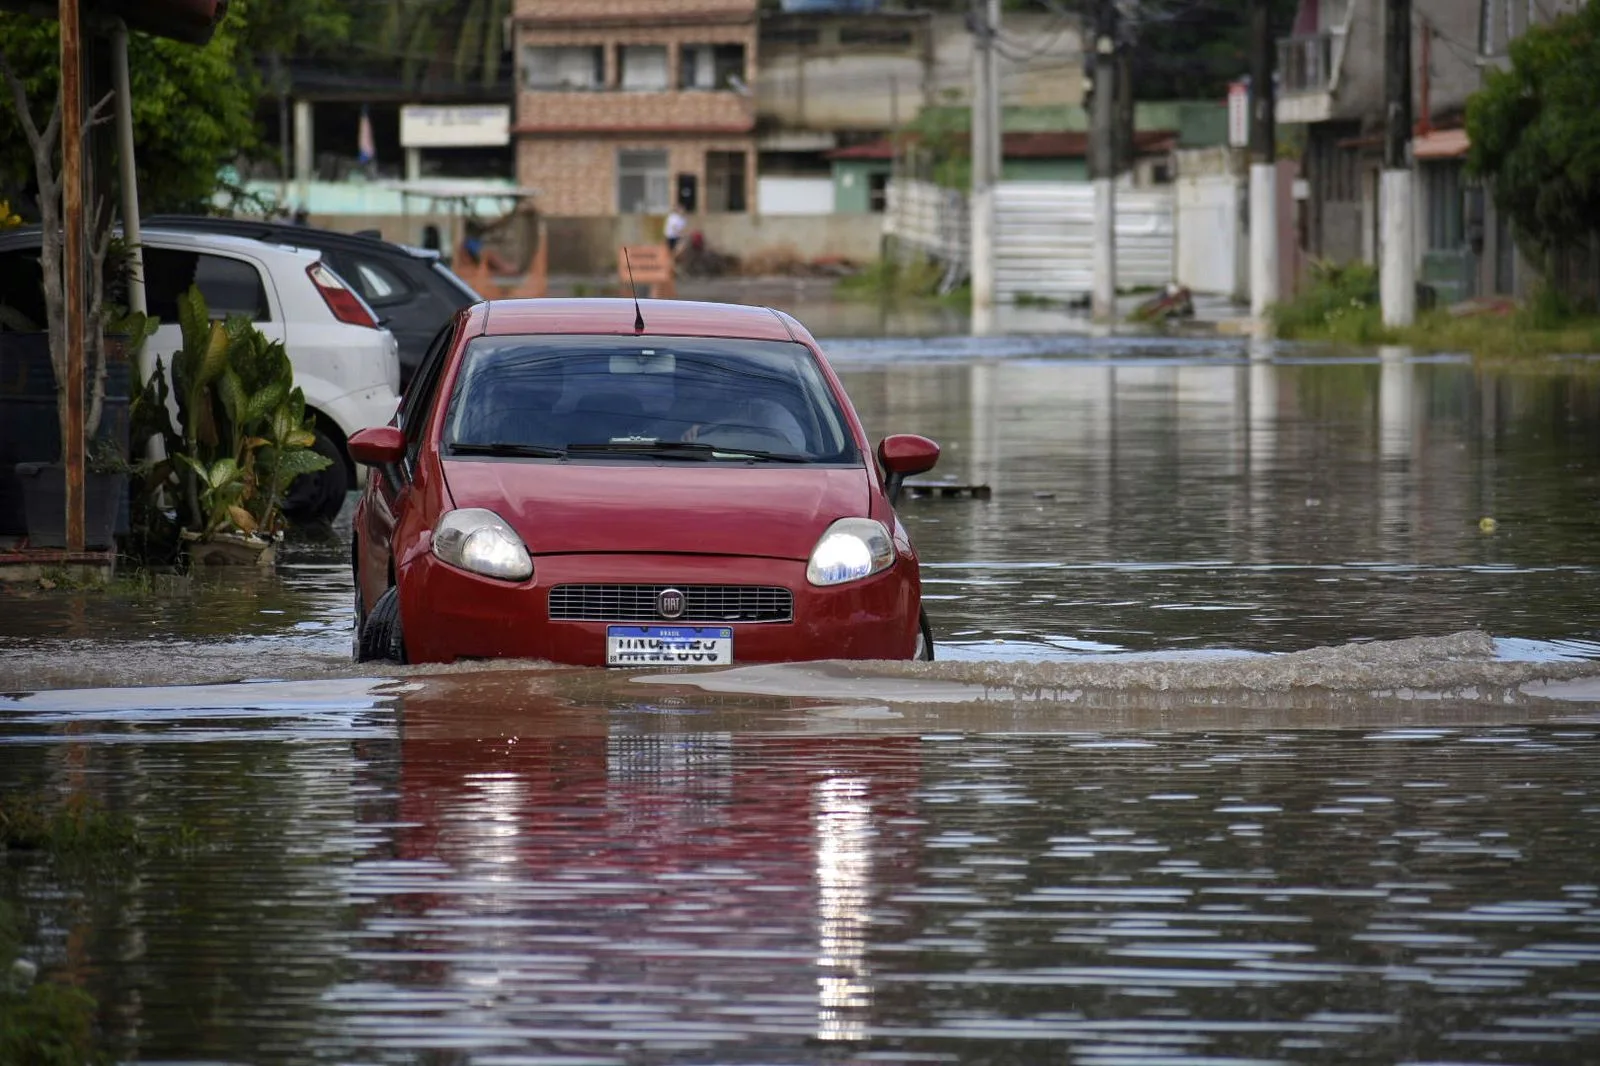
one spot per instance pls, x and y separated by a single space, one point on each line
291 234
602 315
28 237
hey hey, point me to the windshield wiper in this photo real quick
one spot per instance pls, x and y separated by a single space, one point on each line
520 451
687 449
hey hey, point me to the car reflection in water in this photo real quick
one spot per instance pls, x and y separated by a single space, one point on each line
620 875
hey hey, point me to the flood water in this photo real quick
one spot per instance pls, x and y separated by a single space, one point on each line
1251 742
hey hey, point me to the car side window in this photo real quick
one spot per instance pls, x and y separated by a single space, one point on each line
21 291
377 282
418 400
230 286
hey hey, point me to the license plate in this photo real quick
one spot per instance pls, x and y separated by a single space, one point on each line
668 646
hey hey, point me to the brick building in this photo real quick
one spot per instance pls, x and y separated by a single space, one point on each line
624 106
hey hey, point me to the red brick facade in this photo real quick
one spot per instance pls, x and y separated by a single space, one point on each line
568 140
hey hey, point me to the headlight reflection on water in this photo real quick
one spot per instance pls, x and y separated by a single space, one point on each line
843 820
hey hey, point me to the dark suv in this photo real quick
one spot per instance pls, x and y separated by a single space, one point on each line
410 289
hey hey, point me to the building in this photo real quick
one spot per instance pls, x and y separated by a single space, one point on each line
625 106
1331 81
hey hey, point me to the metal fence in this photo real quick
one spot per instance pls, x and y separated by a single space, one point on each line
929 221
1044 239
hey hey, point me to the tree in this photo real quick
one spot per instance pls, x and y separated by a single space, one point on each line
1535 134
194 108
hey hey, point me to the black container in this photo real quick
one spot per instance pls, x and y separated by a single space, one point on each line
30 428
44 505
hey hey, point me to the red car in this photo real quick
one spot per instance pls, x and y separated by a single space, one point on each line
604 482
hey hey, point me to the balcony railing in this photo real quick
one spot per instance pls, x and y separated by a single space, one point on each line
1305 64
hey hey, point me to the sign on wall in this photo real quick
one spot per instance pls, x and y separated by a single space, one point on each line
425 126
1239 114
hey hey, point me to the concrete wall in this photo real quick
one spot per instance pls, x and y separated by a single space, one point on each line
794 196
589 245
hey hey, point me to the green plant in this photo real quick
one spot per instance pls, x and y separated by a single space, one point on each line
1340 304
242 433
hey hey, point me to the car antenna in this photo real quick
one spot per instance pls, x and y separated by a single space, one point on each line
638 315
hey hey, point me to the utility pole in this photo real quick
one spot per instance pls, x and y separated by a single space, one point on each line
985 159
72 265
1263 163
1397 261
1103 164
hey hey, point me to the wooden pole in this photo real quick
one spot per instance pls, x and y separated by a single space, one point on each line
72 264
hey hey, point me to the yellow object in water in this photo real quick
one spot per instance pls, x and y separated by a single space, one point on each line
1486 525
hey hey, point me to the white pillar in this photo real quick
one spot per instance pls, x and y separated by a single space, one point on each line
1397 265
413 164
1104 298
1263 238
303 153
128 179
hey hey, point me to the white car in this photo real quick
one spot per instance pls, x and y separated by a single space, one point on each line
347 365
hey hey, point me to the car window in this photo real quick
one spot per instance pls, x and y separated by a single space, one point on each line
21 290
230 286
454 281
556 392
376 282
417 401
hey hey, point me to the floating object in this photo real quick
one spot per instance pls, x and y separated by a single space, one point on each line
1487 525
948 489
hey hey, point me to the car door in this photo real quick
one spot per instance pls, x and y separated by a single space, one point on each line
389 490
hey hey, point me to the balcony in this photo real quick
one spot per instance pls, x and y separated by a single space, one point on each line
1306 77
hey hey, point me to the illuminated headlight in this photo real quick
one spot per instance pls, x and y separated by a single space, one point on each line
483 542
851 549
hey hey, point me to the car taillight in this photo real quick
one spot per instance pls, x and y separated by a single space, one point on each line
345 305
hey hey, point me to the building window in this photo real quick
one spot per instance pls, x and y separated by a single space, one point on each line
725 181
711 66
643 184
564 68
642 68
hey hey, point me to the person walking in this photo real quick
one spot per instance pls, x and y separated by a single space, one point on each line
677 223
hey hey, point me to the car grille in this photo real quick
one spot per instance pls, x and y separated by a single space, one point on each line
703 603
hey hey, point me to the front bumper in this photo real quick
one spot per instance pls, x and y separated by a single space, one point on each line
448 614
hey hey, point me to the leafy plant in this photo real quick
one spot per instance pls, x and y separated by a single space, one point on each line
242 433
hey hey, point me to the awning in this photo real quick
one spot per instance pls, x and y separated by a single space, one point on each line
1441 144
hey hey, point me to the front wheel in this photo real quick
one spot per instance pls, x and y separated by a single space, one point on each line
319 496
379 639
924 652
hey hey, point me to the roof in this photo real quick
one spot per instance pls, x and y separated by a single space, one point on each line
681 318
286 233
1065 144
190 21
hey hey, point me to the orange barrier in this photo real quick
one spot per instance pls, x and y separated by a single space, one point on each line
652 269
534 282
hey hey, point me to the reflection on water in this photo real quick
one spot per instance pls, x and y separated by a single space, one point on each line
1149 495
527 879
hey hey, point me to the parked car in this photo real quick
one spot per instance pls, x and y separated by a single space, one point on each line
564 481
347 365
413 292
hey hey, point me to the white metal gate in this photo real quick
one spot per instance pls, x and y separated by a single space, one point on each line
1211 245
1044 239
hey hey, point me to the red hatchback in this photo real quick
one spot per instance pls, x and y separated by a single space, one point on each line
604 483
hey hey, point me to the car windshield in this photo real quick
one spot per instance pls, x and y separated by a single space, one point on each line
662 397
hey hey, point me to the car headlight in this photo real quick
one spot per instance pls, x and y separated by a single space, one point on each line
851 549
481 541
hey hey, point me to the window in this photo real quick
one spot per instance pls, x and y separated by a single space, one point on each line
725 181
881 35
21 291
230 286
564 68
643 185
563 391
377 284
711 66
418 398
642 68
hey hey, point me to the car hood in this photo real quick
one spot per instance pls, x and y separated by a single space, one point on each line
776 512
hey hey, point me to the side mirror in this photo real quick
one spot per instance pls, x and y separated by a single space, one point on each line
378 446
905 454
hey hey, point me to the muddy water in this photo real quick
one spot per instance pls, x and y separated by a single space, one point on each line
576 867
1169 497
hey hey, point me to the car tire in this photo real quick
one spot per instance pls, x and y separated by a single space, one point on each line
318 497
378 638
924 652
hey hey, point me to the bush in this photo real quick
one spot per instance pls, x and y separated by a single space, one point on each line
1341 304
